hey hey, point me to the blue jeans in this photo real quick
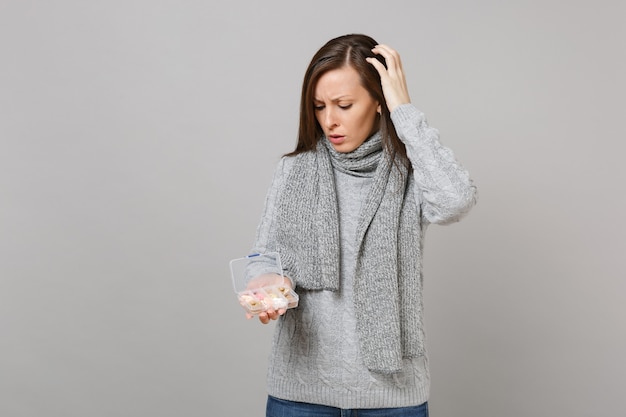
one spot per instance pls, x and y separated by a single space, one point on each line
283 408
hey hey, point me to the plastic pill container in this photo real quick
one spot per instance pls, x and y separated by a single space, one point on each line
259 282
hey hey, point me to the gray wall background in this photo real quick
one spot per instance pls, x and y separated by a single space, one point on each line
138 140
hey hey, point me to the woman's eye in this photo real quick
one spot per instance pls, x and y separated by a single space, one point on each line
345 106
318 108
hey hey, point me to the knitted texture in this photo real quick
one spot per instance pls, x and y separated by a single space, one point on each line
307 234
315 356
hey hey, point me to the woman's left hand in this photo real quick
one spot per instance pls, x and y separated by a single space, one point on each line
391 78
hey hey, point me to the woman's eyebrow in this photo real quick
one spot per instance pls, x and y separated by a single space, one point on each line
343 97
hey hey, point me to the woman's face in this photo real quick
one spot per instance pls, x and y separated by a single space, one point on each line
344 109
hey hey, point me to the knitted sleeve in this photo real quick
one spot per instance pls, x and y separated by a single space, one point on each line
265 240
444 189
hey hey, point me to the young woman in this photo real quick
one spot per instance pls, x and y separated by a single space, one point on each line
347 211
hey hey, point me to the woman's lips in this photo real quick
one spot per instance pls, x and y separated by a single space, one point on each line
336 139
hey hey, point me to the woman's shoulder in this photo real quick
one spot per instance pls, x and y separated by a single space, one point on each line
287 162
283 167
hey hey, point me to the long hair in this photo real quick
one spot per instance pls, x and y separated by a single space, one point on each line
347 50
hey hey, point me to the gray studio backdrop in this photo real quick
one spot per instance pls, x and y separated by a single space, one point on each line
138 139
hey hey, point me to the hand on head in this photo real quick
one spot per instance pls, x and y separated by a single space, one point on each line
391 78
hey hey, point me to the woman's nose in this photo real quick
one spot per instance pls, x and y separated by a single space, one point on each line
329 119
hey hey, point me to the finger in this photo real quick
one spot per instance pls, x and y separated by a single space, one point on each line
264 318
386 51
392 58
378 65
272 314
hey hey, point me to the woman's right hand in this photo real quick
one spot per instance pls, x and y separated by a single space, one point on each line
269 280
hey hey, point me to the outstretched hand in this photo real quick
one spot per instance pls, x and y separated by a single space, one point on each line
267 280
391 78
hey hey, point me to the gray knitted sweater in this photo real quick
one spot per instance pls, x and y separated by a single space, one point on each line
315 354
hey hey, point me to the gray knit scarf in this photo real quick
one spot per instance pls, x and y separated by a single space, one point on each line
387 283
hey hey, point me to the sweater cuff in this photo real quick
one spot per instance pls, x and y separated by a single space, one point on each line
406 114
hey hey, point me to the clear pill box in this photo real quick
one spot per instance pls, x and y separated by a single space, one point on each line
259 282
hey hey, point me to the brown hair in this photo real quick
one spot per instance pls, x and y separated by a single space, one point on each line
347 50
